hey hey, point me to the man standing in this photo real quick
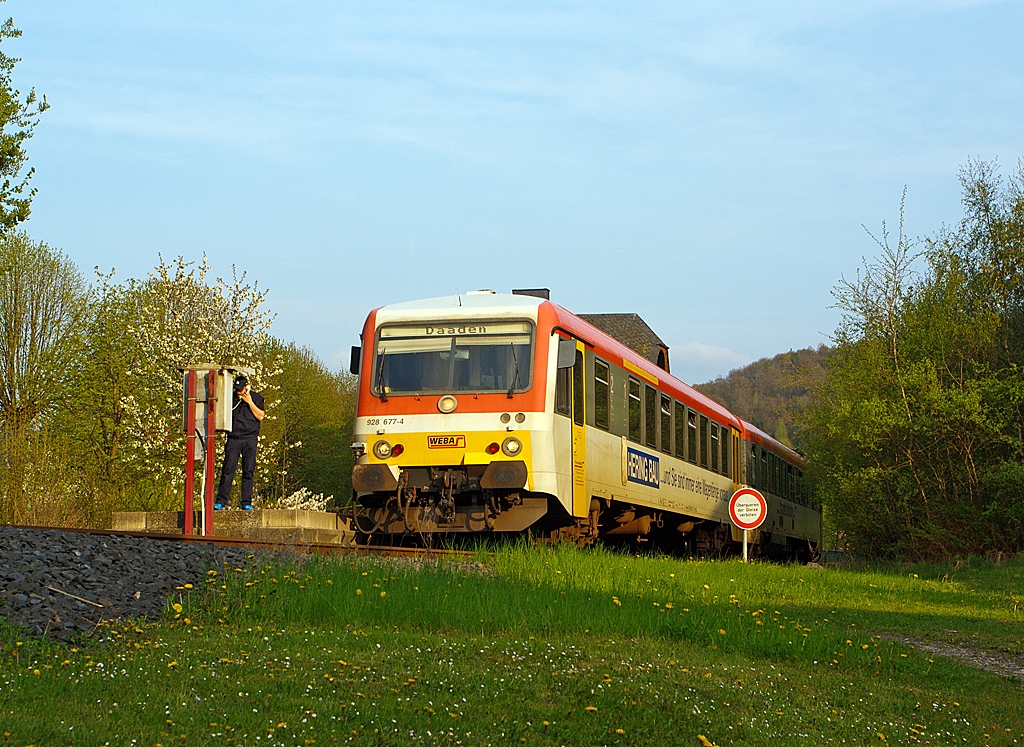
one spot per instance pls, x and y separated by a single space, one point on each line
247 412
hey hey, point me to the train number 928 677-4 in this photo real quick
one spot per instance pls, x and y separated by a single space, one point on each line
385 421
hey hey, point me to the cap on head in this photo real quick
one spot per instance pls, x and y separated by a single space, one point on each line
240 383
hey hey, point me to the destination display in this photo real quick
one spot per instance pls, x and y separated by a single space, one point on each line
448 330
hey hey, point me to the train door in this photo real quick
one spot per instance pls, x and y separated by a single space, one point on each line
737 477
580 499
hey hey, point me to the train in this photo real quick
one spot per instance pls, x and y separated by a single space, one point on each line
495 414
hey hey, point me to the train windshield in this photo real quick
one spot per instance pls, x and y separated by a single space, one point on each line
456 357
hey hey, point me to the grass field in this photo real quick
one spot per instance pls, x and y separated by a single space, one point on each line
544 647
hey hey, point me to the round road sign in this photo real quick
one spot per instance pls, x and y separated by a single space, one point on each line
748 508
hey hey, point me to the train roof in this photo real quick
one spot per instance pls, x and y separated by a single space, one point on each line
501 305
467 305
611 348
751 432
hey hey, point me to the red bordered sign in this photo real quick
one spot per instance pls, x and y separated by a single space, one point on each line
748 508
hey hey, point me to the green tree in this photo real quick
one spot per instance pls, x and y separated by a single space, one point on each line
18 119
140 333
42 308
312 425
914 434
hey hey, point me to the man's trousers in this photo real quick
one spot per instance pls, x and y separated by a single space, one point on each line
233 449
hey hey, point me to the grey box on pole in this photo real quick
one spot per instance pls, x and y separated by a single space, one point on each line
225 400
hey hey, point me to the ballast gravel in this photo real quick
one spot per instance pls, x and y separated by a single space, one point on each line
62 584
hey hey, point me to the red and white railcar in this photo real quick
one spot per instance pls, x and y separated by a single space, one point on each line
487 412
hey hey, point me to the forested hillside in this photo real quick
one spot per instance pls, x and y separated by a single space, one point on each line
772 392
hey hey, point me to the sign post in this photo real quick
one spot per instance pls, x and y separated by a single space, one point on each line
748 509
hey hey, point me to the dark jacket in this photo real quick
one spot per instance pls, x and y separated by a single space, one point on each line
243 423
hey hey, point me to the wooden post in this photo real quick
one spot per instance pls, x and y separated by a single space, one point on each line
211 450
190 456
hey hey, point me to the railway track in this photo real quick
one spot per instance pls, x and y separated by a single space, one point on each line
62 582
307 548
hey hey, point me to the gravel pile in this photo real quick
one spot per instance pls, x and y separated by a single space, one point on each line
61 584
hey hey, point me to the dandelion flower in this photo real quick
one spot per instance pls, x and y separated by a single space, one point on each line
359 592
383 594
592 709
620 732
721 632
176 607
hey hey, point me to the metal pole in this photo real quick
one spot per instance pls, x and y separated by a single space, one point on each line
190 455
211 448
744 545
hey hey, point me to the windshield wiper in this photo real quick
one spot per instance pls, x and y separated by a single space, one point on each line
381 384
515 379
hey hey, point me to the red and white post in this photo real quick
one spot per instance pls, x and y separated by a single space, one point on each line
748 509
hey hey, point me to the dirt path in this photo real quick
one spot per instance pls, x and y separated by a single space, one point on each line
974 656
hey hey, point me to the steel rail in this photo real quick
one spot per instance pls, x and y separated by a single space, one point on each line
309 548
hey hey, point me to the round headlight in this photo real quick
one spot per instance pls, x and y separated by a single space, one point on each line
520 417
505 417
382 449
512 446
447 404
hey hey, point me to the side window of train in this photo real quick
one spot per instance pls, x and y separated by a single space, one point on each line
790 487
578 402
651 415
752 467
715 446
563 391
764 470
691 436
703 441
602 393
635 416
680 431
666 424
726 464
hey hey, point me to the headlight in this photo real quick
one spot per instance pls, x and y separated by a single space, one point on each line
512 446
382 449
447 404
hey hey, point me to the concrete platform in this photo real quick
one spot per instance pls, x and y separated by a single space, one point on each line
283 525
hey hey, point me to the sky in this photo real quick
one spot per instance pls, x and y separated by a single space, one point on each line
710 166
